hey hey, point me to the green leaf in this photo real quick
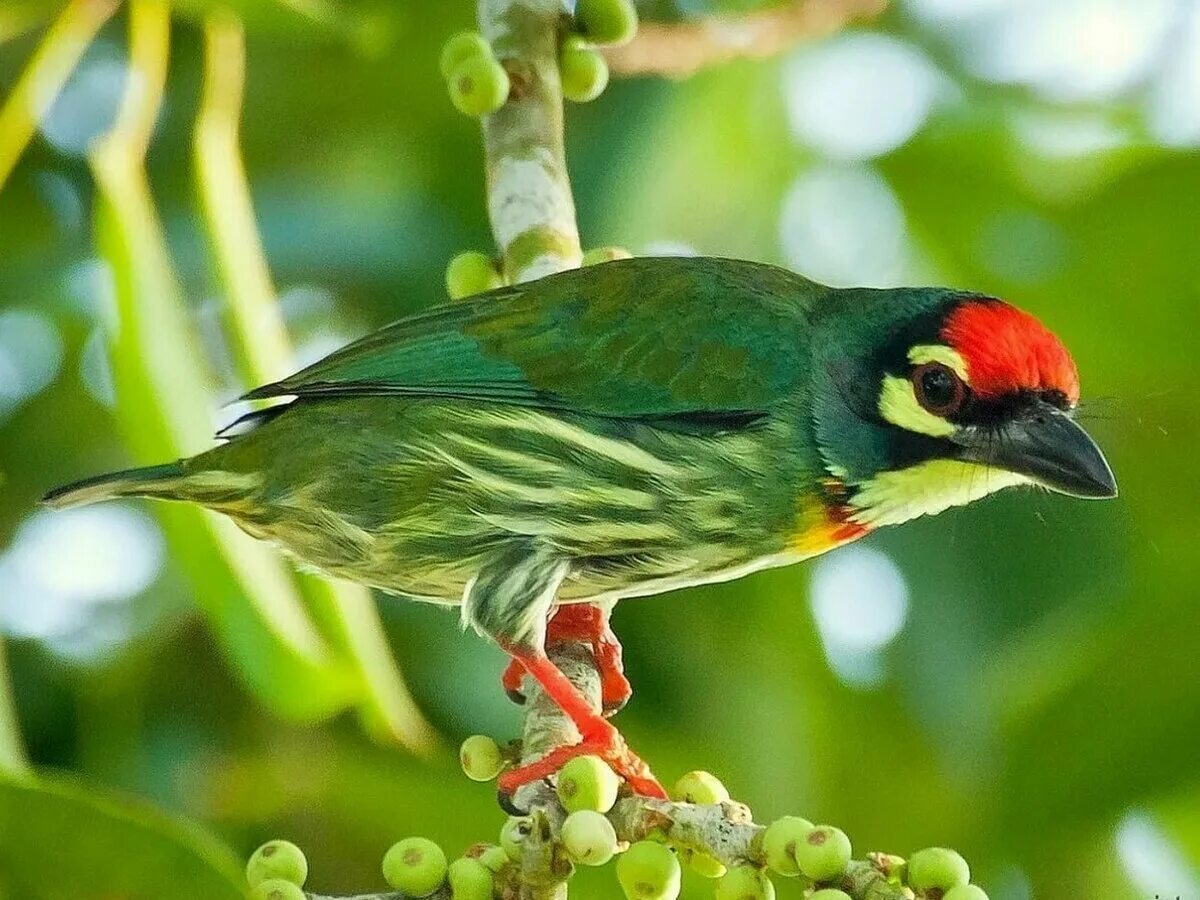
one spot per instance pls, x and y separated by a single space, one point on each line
60 840
162 385
344 613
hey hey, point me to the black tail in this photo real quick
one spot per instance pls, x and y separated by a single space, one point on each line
151 481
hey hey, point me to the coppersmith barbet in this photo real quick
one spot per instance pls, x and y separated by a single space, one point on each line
631 428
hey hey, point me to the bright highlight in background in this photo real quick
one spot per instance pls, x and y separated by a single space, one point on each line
1153 862
844 227
30 356
860 603
859 96
65 570
1067 50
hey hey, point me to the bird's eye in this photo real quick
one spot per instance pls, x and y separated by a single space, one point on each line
939 390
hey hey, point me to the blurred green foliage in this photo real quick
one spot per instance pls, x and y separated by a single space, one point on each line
1039 710
128 850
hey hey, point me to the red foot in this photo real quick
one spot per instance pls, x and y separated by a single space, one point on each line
582 622
599 738
609 746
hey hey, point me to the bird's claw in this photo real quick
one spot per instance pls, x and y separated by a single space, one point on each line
605 743
585 623
505 799
511 681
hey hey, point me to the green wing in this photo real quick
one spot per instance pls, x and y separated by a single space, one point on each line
646 338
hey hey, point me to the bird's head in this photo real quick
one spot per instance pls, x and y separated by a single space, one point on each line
928 399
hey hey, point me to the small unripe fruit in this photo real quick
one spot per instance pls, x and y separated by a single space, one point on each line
780 841
965 892
649 871
699 787
706 866
478 85
745 883
416 866
824 853
937 867
583 71
495 858
604 254
513 835
829 894
279 860
589 838
469 880
607 21
480 756
586 782
462 46
276 889
467 274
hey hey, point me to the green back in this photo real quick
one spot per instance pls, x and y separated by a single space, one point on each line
689 339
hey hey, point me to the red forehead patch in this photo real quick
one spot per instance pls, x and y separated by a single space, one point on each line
1007 350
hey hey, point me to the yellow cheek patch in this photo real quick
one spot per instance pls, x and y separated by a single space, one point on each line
939 353
925 490
898 405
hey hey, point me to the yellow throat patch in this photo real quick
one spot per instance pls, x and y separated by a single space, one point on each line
926 489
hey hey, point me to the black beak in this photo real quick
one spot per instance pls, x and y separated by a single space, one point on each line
1045 444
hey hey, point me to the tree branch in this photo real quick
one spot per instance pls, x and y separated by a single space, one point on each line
529 194
533 220
532 214
724 831
678 50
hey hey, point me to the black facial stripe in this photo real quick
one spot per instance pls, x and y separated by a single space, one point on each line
907 448
995 411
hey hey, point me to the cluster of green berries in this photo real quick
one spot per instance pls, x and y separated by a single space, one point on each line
473 272
605 254
417 867
794 846
940 874
467 274
652 869
277 871
582 69
477 82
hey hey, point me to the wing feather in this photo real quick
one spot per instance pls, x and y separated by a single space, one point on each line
695 341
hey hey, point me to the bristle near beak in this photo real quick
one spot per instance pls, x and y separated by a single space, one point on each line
1046 445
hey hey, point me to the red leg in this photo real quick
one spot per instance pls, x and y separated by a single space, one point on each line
598 737
514 675
615 688
582 622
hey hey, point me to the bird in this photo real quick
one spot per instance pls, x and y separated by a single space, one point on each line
538 452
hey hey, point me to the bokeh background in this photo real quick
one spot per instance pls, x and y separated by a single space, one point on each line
1019 679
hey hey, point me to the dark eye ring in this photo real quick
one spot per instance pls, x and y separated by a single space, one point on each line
938 388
